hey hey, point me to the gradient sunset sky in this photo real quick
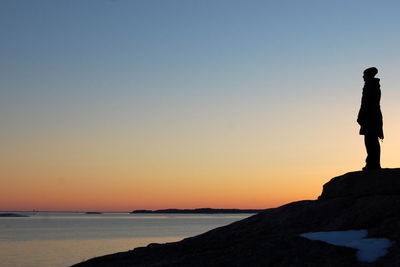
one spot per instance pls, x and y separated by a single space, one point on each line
122 105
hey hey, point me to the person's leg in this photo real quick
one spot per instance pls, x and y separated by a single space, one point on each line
367 148
378 152
373 152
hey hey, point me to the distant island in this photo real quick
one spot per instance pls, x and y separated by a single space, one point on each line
12 215
93 212
201 211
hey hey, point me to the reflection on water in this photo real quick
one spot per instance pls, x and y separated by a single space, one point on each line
62 239
67 252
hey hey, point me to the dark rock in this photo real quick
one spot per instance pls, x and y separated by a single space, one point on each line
271 238
363 183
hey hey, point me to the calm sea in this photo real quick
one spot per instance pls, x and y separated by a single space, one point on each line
62 239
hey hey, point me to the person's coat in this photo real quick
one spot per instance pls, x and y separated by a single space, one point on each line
370 115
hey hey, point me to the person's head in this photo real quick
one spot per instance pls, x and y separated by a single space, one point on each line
370 73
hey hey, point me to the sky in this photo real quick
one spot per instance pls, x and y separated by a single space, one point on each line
123 105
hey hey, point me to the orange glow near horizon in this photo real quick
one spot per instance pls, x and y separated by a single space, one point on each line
233 172
237 171
82 188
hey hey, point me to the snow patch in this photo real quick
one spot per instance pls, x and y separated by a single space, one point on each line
369 249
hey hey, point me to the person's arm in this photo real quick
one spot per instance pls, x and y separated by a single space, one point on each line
361 112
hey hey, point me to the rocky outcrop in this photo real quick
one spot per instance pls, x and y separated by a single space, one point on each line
353 201
363 183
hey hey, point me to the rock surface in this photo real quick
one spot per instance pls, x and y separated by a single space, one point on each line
359 184
357 200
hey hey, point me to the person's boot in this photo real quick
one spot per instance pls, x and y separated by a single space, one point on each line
370 168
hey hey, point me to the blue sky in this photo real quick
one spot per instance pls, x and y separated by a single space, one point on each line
143 50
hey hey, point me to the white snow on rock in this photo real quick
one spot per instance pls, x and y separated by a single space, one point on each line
369 249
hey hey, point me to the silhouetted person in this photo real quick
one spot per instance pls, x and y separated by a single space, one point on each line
370 119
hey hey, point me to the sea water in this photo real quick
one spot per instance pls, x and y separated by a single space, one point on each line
61 239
